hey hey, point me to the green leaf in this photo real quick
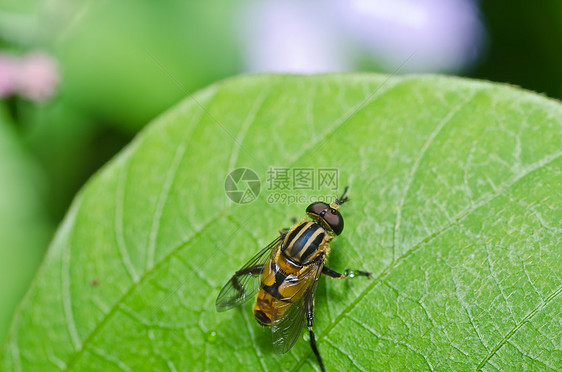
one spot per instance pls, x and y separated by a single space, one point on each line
455 208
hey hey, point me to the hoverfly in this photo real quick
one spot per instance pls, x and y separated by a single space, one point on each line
285 274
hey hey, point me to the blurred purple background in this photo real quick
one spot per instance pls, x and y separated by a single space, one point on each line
320 36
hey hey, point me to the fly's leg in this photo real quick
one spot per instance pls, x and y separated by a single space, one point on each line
254 270
309 320
347 273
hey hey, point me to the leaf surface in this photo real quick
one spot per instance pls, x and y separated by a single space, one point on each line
455 208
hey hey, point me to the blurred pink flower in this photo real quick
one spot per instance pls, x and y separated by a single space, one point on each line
38 76
8 75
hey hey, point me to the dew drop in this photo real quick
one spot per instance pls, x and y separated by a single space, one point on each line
211 336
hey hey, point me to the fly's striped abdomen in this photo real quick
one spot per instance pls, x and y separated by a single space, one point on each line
279 287
264 308
303 241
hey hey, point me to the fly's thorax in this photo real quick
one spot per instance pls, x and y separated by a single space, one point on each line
305 241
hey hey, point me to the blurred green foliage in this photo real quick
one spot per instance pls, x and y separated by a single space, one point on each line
122 64
24 226
147 55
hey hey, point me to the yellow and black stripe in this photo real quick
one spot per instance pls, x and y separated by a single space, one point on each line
302 243
282 278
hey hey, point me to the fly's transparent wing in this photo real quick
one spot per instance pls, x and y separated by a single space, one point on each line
245 283
288 328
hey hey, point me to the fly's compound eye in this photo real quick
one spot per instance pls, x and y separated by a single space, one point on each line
335 220
316 209
328 216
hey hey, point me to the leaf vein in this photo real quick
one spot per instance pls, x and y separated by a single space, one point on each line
345 118
111 359
417 162
246 125
527 318
468 311
67 299
494 276
335 346
251 330
100 325
396 342
163 197
119 234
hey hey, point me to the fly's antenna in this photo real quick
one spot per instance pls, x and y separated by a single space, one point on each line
343 198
